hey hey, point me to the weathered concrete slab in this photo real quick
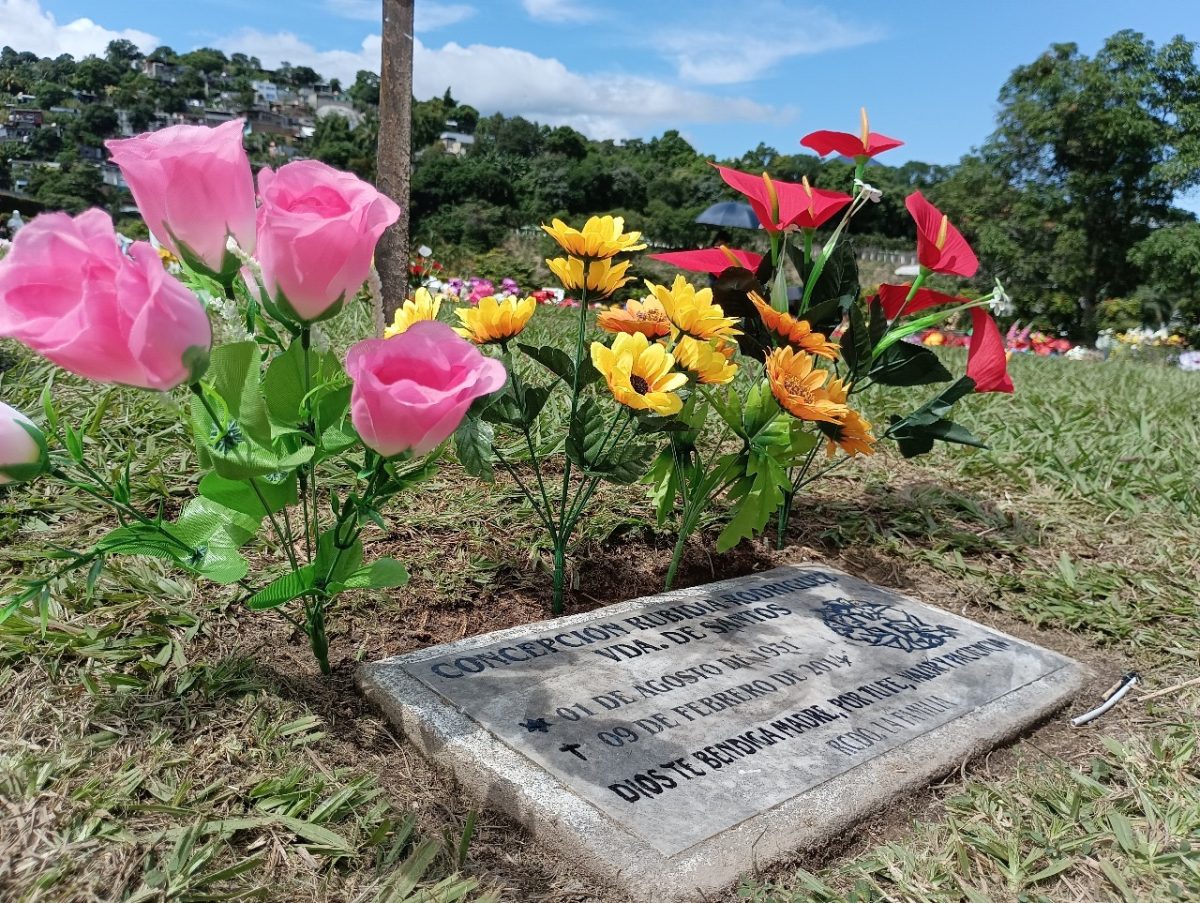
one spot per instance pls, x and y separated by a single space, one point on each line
673 743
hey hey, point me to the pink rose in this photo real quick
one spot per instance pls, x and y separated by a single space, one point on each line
68 292
22 447
317 230
194 188
412 391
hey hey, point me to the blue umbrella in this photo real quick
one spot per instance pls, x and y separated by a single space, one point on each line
734 214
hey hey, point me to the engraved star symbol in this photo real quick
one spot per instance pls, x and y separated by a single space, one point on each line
540 725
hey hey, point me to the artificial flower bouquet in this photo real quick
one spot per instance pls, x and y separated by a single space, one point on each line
295 448
729 391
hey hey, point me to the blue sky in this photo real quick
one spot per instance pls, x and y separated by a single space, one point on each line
726 74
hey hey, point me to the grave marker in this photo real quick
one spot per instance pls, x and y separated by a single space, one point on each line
673 743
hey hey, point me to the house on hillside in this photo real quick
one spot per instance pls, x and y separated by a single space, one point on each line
456 142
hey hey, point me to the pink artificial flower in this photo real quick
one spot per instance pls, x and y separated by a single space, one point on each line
68 292
711 260
413 390
987 361
194 188
317 231
22 447
860 147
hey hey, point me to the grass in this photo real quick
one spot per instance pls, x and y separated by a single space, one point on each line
158 742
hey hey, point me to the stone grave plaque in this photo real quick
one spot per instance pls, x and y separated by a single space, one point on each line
673 743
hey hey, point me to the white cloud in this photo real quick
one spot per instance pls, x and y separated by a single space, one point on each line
428 15
558 11
26 26
724 51
516 82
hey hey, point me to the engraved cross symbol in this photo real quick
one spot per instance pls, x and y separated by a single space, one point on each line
573 749
540 725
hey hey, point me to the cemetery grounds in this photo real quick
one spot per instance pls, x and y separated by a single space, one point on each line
157 743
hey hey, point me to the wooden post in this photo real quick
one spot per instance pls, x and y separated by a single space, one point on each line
394 154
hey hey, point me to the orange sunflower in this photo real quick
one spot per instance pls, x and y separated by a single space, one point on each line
800 387
793 331
647 317
852 435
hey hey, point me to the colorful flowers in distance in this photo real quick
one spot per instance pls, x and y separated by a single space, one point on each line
640 374
421 306
68 293
317 231
412 391
23 454
194 188
495 319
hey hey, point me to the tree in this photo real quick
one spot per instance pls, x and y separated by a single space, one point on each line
1087 158
122 53
395 150
365 90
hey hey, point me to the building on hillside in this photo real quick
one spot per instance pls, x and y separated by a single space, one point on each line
161 72
456 142
112 177
265 92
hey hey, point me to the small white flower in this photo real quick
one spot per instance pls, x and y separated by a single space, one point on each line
1001 304
870 192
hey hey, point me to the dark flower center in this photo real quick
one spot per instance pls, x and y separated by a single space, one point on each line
639 385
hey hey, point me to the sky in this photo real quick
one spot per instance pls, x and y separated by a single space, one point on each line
727 74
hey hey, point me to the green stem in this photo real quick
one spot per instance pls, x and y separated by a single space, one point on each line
317 638
284 536
308 474
564 531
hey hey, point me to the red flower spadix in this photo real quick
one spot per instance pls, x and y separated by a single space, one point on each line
784 205
863 146
940 247
710 260
987 361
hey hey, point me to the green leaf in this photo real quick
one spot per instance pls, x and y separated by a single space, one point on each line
202 518
856 344
918 439
385 573
838 280
473 443
240 495
623 465
731 291
587 433
757 495
663 480
906 364
561 365
234 373
283 383
284 588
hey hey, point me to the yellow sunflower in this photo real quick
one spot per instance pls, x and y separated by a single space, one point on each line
640 373
705 361
646 317
603 277
793 331
800 387
421 306
495 319
693 311
601 237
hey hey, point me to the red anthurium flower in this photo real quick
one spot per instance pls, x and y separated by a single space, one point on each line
866 144
783 205
710 260
892 297
940 247
987 361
